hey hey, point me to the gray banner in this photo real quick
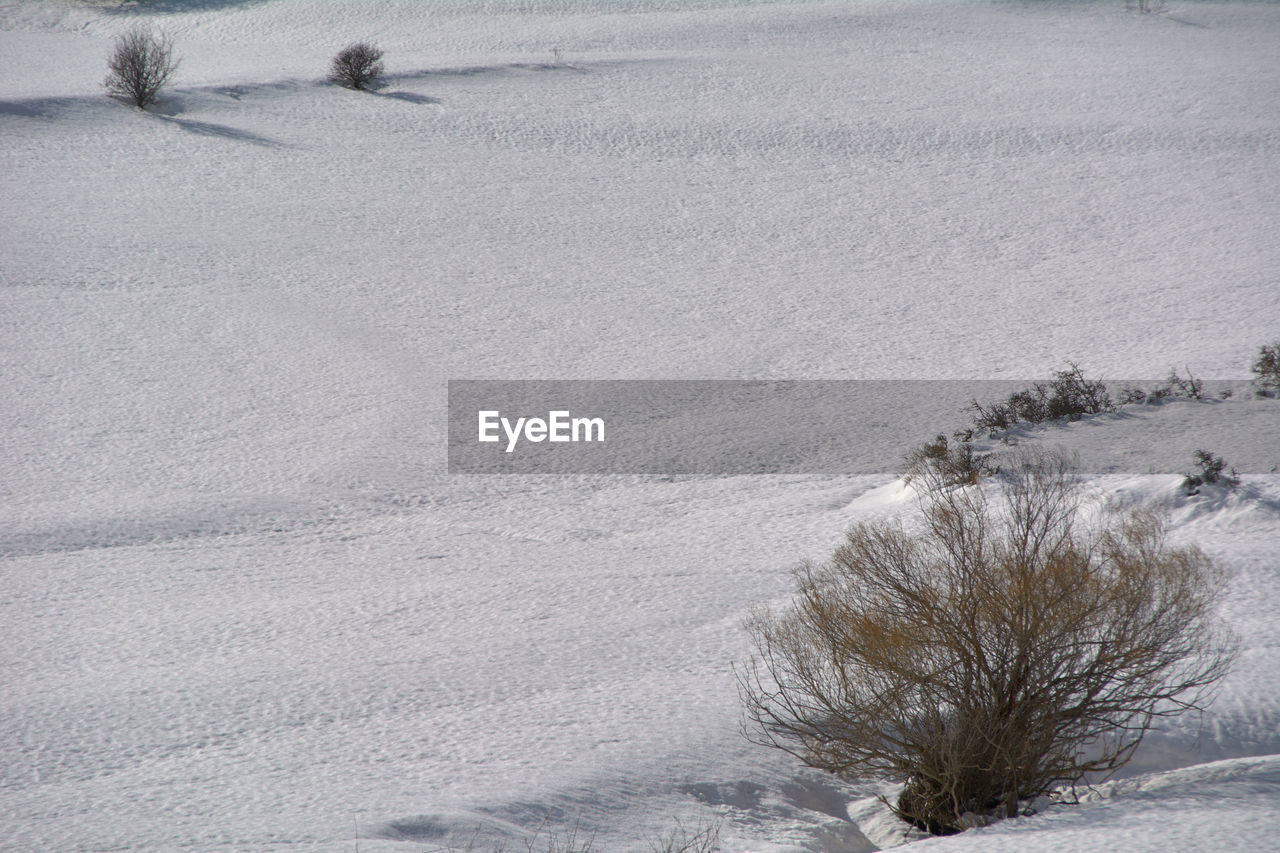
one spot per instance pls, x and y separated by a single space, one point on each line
759 427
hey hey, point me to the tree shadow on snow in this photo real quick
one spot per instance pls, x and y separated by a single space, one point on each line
1187 23
808 800
477 70
171 108
36 108
49 109
221 131
173 7
411 97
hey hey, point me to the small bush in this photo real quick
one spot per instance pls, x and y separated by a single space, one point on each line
357 66
1174 387
999 649
1132 396
951 464
140 66
1209 470
1068 395
1267 369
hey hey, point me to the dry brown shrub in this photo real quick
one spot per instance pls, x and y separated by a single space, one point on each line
1001 648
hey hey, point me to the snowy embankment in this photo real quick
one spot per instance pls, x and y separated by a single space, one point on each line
246 609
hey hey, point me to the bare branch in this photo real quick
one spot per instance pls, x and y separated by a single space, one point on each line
1001 649
140 66
357 66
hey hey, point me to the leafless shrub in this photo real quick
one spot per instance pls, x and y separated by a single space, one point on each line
1001 649
956 464
1266 369
1209 469
140 66
357 66
1132 396
1068 395
571 842
1174 387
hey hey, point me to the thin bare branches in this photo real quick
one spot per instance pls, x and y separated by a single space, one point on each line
140 66
1002 649
357 66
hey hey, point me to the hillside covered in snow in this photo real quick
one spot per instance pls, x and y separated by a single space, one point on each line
247 606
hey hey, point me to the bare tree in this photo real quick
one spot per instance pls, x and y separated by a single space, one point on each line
357 66
140 66
999 649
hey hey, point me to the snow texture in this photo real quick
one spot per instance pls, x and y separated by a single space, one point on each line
246 608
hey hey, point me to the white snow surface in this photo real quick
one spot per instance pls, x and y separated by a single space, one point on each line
245 608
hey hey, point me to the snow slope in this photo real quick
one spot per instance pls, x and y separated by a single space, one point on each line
247 609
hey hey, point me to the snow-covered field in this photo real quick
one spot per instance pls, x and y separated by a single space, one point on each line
244 605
